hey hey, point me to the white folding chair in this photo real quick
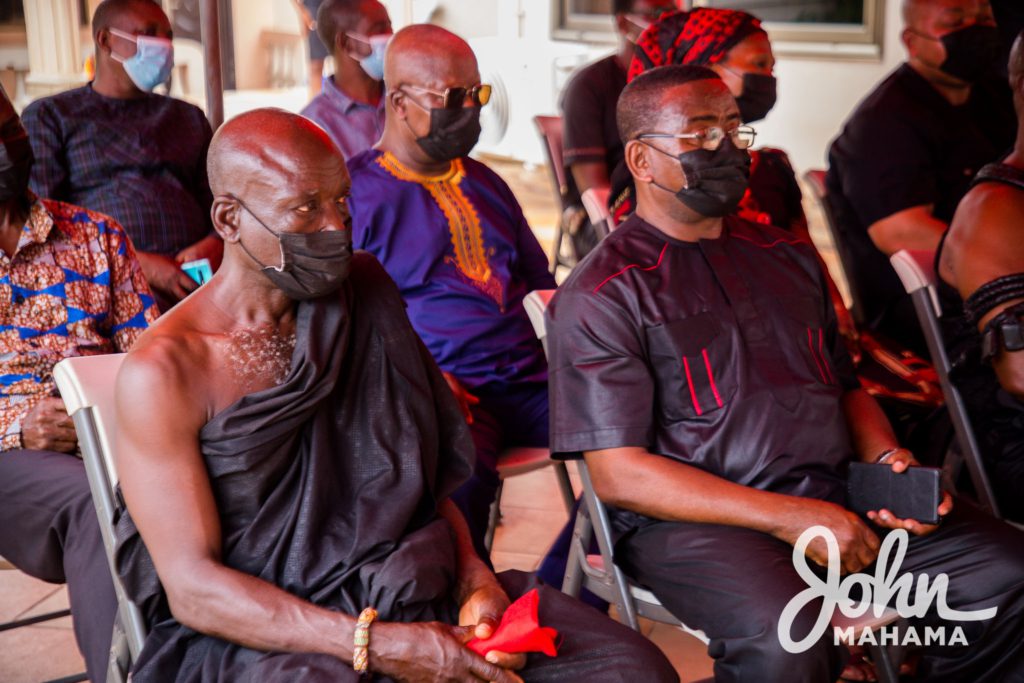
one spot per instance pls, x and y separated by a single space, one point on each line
595 201
519 460
86 385
916 270
522 459
604 578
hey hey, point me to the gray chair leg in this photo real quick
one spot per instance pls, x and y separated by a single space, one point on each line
565 485
492 519
28 621
885 669
582 533
73 678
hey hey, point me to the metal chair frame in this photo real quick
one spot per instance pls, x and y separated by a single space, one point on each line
86 385
916 270
550 130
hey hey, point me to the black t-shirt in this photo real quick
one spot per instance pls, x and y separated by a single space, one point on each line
905 146
589 130
722 354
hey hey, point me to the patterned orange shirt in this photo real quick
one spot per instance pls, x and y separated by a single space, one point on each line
72 288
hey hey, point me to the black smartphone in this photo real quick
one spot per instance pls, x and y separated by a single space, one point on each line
913 494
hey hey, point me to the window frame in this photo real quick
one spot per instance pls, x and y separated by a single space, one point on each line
845 41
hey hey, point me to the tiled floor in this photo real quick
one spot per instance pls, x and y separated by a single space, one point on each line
532 516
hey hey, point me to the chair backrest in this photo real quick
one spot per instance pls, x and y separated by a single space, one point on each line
550 129
815 179
86 385
916 270
595 201
87 382
535 303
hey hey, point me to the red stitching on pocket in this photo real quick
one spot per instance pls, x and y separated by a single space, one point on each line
689 383
711 377
824 358
810 346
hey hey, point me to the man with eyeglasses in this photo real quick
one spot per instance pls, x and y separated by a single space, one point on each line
697 366
907 154
590 138
116 147
351 106
452 235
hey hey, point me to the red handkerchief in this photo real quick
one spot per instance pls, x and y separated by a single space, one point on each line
519 631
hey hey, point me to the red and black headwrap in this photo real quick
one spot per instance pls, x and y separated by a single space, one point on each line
701 36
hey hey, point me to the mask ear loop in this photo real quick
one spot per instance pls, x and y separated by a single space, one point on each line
285 265
406 119
686 177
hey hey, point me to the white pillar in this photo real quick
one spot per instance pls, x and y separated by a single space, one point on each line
54 33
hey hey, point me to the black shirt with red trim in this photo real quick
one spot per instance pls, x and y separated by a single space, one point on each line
723 354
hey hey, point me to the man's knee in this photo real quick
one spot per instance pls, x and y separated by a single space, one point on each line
762 656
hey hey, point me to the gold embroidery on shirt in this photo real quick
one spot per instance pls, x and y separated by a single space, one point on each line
463 223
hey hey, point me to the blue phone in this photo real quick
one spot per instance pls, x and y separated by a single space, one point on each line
198 270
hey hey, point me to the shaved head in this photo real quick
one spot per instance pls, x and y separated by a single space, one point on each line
110 12
422 54
640 108
262 148
913 10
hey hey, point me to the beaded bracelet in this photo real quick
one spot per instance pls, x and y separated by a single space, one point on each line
361 654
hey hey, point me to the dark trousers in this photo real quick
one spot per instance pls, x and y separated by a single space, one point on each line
507 415
591 648
49 530
733 584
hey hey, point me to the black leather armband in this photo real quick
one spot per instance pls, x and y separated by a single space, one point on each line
992 294
1005 332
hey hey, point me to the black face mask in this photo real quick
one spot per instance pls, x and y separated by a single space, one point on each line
453 133
715 180
16 160
312 264
757 97
971 53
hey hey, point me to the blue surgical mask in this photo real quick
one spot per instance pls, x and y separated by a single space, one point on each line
373 64
152 62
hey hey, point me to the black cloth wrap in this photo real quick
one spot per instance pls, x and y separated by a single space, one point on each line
327 485
1000 173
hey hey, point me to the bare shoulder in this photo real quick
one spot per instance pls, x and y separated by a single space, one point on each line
166 370
986 236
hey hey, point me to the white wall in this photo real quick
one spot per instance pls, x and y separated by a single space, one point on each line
815 94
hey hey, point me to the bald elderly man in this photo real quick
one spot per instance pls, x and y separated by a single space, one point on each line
907 154
453 237
313 445
718 414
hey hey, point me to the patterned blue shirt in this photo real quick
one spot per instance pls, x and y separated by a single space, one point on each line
72 288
